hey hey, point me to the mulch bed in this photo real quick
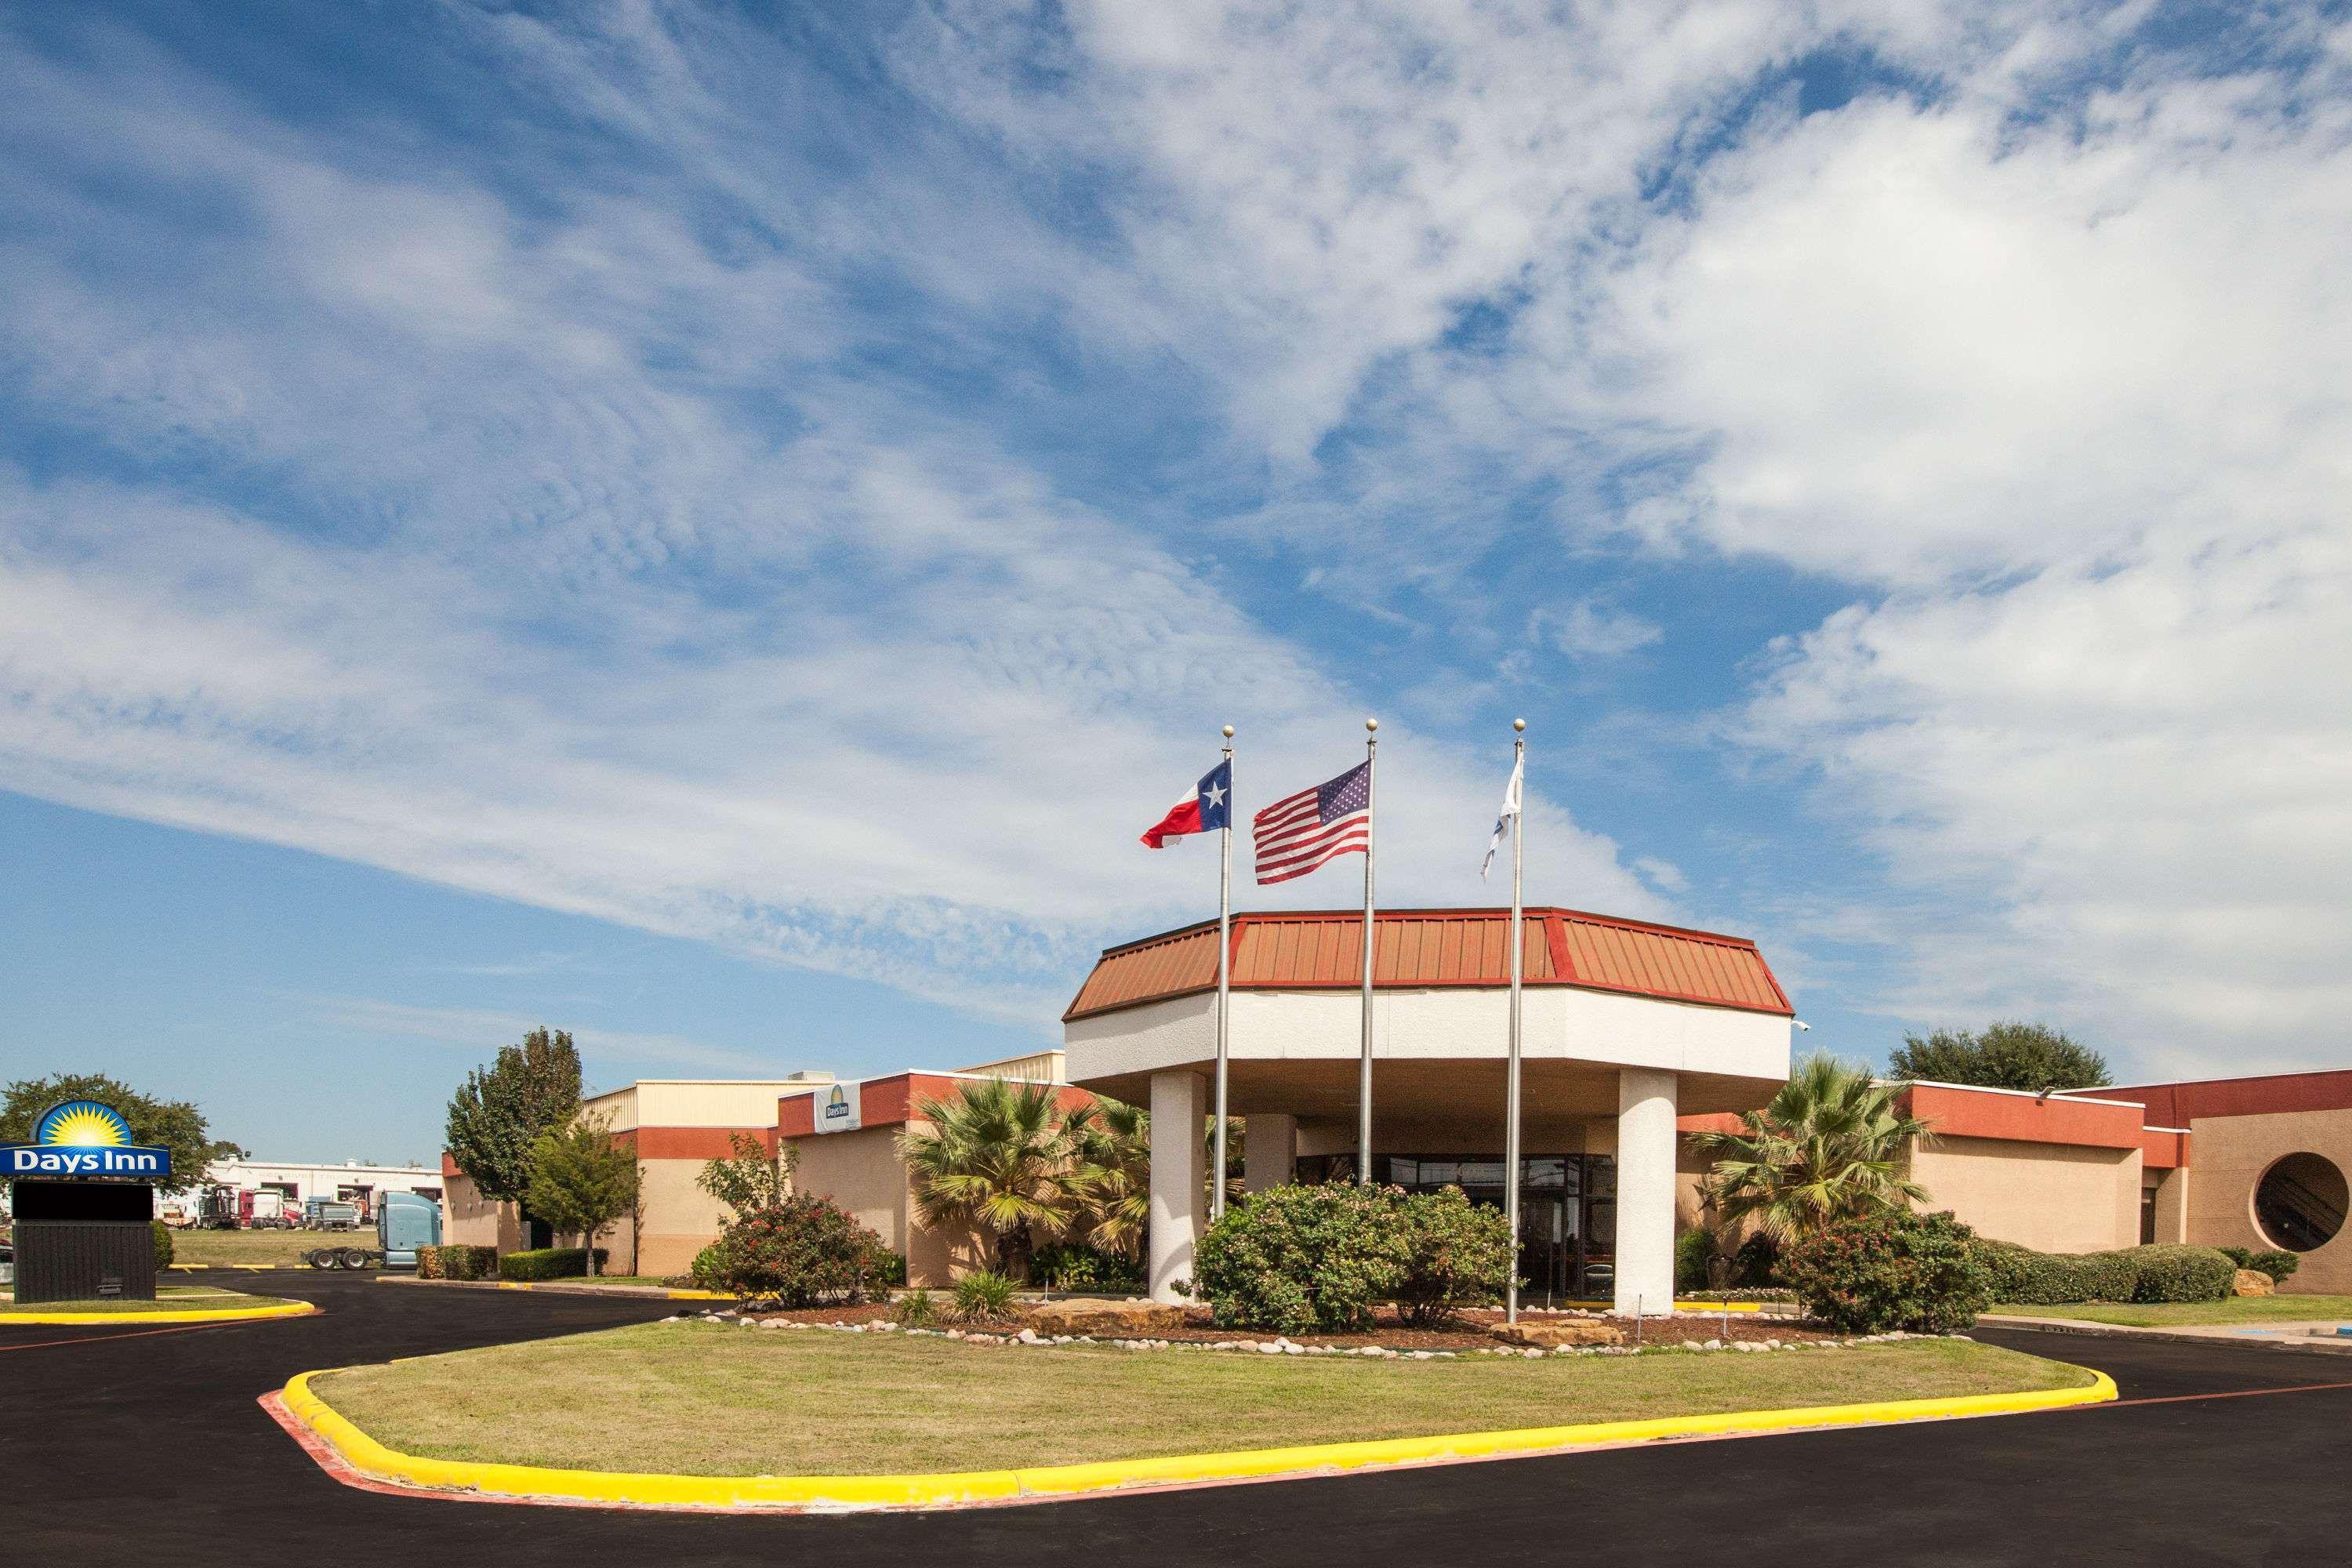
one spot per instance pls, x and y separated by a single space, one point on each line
1467 1331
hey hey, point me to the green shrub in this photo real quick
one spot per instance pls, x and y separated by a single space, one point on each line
894 1270
983 1295
2158 1273
1692 1250
456 1262
801 1251
2275 1263
703 1273
1919 1273
1068 1267
916 1309
163 1245
2236 1255
2182 1274
548 1263
1457 1254
1304 1259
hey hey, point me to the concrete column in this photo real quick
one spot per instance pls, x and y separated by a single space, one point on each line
1645 1190
1272 1158
2172 1206
1180 1177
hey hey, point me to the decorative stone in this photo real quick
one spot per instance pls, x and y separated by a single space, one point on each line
2254 1282
1130 1318
1561 1331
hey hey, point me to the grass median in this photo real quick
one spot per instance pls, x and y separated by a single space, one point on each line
698 1399
168 1299
2179 1314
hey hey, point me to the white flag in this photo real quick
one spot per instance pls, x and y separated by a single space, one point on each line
1510 814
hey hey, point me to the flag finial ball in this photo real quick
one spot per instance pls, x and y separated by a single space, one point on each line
1518 723
1371 723
1229 732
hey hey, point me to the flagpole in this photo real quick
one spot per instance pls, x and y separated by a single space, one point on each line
1364 1073
1224 980
1518 959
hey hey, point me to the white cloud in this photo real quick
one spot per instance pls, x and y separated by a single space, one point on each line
485 1030
1591 630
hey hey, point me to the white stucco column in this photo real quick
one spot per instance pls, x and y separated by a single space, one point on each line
1645 1190
1272 1157
1179 1176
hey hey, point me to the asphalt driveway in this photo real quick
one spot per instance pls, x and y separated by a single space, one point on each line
124 1445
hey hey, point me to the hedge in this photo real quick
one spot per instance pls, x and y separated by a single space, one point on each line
2277 1264
162 1235
1320 1259
548 1263
454 1262
2159 1273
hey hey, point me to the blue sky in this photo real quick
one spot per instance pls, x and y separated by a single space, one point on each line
716 529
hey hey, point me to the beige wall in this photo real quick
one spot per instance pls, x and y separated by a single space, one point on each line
2053 1197
681 1219
2228 1156
2172 1189
468 1219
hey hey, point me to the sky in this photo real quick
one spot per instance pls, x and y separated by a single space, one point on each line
716 527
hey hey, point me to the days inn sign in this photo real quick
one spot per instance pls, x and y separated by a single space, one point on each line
83 1137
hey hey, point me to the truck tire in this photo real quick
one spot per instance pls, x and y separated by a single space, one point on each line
318 1258
354 1257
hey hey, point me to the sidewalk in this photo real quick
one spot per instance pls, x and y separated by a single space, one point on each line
2308 1334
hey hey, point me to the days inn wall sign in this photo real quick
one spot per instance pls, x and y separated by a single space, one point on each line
83 1137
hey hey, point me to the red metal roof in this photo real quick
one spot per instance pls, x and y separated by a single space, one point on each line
1322 949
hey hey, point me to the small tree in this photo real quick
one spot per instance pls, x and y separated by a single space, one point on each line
501 1112
1112 1174
2030 1057
173 1124
582 1181
749 1179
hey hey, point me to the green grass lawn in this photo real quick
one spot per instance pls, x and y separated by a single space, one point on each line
698 1399
168 1299
230 1247
2160 1314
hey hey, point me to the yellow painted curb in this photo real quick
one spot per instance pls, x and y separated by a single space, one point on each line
195 1315
945 1489
192 1267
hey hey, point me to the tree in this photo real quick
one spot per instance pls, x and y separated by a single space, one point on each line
1111 1173
2030 1057
500 1111
582 1181
750 1179
1829 1147
173 1124
999 1156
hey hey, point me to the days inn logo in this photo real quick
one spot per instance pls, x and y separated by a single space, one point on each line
836 1105
83 1137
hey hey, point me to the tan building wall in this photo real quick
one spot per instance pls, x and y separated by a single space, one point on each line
468 1219
2053 1197
861 1170
2232 1153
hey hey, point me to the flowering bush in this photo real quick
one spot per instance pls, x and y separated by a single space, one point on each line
801 1251
1895 1269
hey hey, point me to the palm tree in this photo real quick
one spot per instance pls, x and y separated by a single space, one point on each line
999 1156
1829 1145
1112 1141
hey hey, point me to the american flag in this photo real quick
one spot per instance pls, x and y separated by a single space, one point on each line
1299 832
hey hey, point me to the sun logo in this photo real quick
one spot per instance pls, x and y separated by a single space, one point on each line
83 1124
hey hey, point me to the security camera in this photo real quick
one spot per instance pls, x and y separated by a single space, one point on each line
1805 1026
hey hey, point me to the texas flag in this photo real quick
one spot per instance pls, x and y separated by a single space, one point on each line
1208 808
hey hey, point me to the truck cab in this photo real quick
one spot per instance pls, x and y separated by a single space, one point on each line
404 1222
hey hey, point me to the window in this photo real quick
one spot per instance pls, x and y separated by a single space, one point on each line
2299 1203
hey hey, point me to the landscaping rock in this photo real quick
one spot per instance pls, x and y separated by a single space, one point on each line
2252 1282
1565 1332
1127 1318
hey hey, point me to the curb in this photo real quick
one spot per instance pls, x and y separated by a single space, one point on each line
218 1315
247 1268
376 1465
565 1287
2094 1330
